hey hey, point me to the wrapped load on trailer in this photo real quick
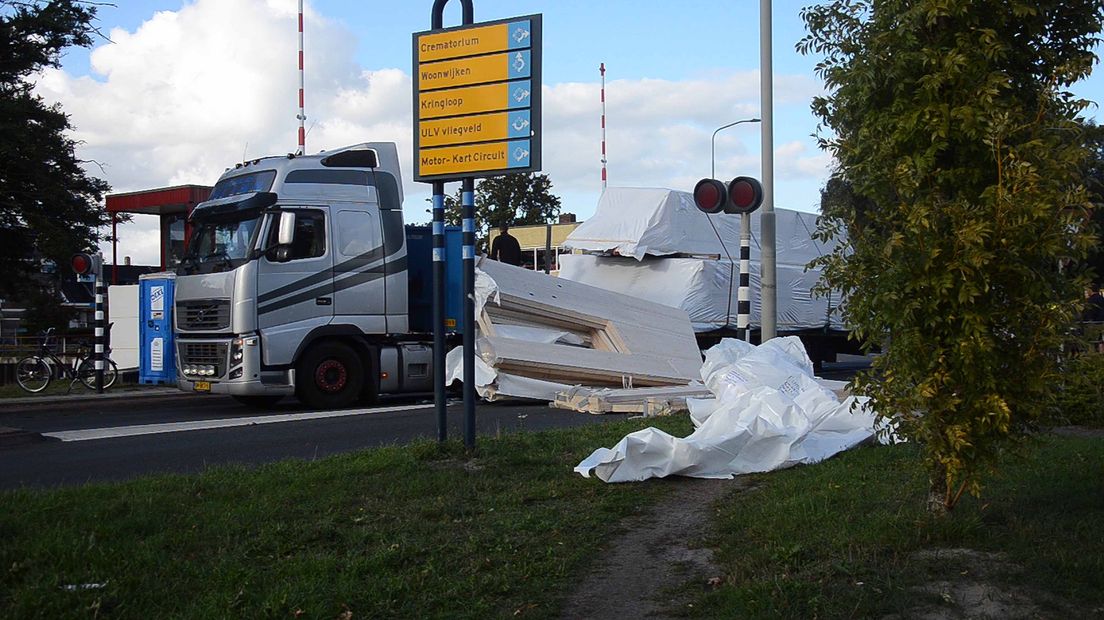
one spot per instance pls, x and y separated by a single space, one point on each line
655 244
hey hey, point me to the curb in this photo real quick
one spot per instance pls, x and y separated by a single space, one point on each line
77 397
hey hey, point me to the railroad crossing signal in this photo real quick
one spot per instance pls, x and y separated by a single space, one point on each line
740 195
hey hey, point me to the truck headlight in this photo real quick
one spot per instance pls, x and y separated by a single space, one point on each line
236 352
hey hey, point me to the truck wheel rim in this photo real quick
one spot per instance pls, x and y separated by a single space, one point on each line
330 376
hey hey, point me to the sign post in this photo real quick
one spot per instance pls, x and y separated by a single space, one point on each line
476 114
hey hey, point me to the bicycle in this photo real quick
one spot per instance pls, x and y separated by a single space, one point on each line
35 372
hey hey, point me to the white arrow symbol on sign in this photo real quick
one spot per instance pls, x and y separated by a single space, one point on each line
520 124
520 95
521 34
519 62
520 154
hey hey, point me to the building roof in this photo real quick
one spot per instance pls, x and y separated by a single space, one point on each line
161 201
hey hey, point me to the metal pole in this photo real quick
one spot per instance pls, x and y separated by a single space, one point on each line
602 70
768 290
547 248
302 116
467 196
114 249
713 144
439 309
467 208
99 325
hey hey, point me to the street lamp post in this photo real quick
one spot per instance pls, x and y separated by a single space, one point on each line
713 144
743 294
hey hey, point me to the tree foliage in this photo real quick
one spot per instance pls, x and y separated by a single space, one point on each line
1093 138
516 199
957 197
47 199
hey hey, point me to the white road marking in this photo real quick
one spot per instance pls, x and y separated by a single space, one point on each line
199 425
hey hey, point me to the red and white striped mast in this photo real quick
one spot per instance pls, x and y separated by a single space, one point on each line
302 116
602 70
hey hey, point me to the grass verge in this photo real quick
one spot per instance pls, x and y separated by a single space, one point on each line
414 531
849 538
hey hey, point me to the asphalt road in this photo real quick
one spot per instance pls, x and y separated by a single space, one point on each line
160 434
52 462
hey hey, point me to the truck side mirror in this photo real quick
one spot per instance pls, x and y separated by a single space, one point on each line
285 234
280 252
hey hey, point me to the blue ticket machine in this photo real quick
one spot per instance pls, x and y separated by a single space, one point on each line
156 346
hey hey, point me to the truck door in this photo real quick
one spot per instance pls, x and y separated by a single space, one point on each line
359 295
296 295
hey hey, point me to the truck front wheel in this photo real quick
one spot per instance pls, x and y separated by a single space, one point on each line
329 376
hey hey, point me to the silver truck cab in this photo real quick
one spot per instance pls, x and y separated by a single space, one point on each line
295 278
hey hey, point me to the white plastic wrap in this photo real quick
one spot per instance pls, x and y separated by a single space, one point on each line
650 221
768 413
639 225
706 289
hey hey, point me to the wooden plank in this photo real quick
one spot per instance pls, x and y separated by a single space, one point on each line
609 364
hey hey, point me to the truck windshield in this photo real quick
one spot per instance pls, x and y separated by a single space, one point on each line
220 243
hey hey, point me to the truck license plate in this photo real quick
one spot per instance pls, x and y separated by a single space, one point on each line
202 386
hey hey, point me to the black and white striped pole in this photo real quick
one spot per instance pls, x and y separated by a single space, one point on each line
101 295
741 195
439 398
743 294
85 264
467 208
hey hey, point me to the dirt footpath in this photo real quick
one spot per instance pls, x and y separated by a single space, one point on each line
636 573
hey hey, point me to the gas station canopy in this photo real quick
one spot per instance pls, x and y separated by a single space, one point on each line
172 205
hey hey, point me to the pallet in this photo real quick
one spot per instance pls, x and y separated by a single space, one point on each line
648 401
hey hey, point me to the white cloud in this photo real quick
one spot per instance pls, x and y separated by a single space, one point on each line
191 92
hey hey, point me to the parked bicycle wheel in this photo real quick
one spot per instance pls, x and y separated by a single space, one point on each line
86 372
33 374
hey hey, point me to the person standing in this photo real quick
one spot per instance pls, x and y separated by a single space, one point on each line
505 248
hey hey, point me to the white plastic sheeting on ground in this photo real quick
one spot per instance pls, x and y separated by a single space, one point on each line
769 412
638 225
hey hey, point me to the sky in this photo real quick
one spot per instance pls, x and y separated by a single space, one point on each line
176 91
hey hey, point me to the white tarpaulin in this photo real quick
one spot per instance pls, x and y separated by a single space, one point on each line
637 225
768 412
706 289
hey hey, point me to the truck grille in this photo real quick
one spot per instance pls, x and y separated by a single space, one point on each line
203 314
204 354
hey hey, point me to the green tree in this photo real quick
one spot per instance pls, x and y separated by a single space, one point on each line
1094 182
516 199
959 181
47 200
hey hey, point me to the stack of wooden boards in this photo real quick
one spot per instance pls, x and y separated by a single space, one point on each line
627 342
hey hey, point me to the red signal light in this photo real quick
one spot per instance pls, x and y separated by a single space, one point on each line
81 263
710 195
745 194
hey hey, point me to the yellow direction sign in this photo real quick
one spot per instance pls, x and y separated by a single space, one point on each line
474 40
459 161
477 128
478 70
477 99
